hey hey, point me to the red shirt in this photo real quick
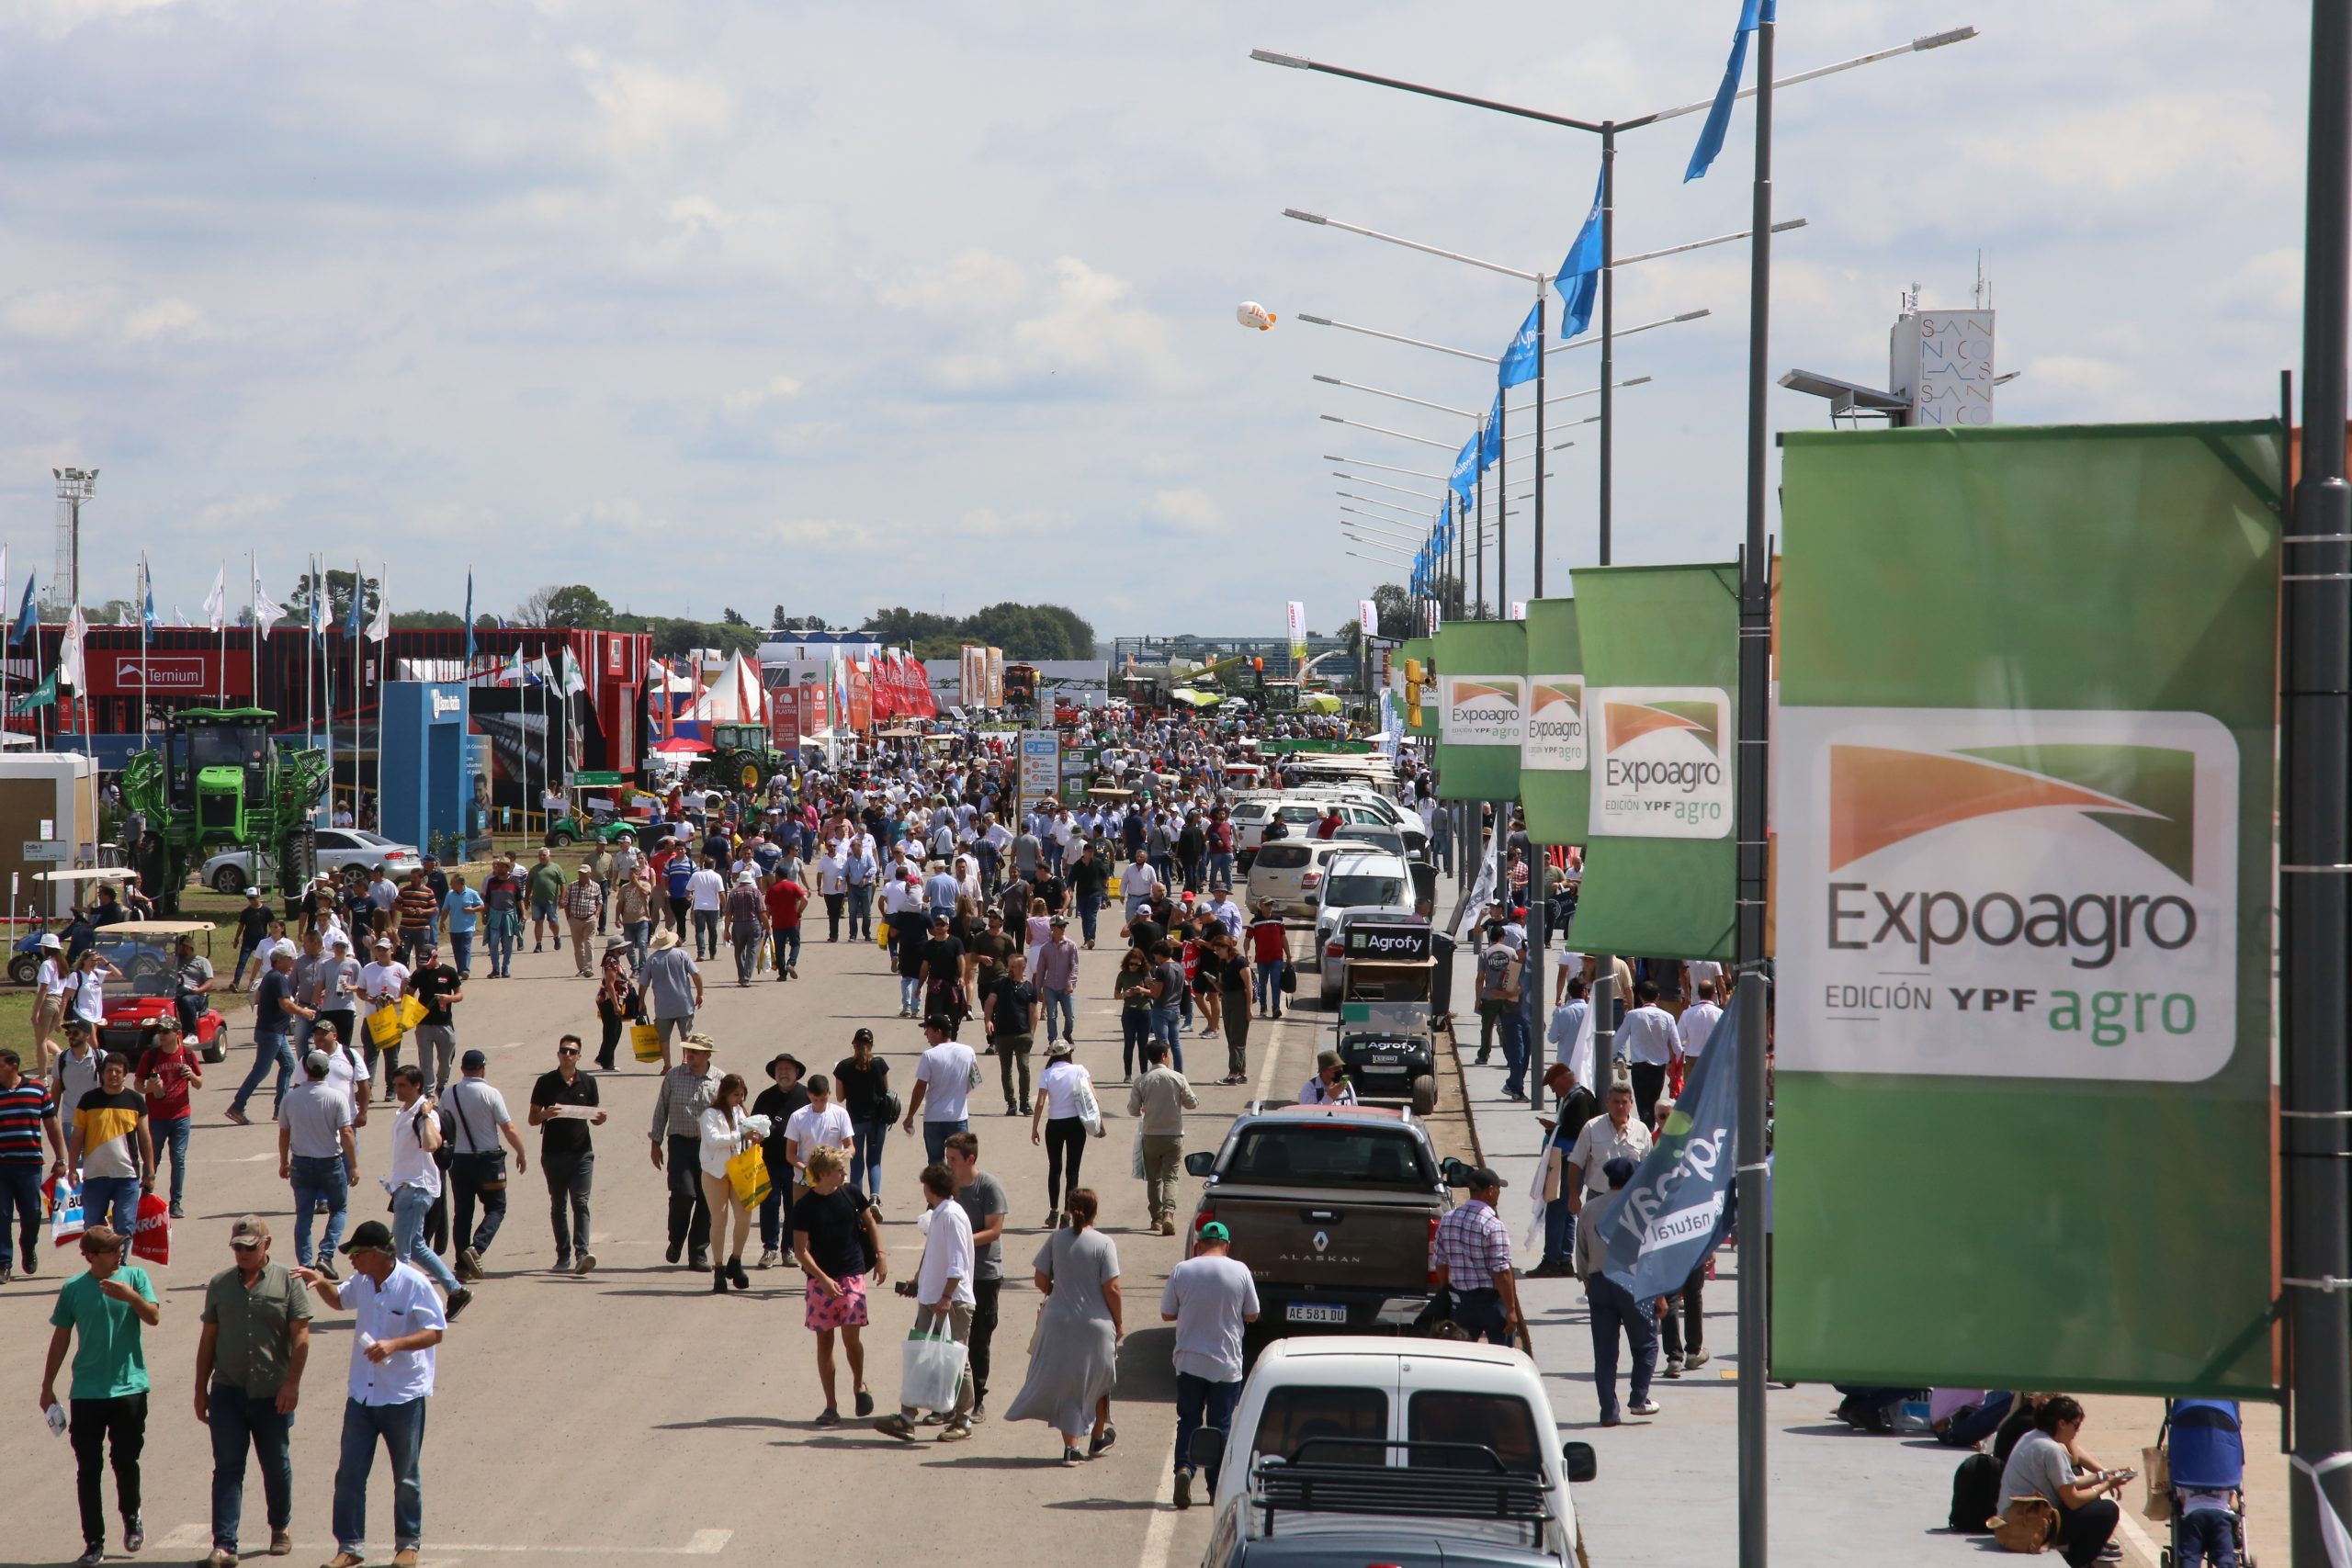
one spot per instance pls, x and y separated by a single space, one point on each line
785 900
1268 940
174 1068
1328 826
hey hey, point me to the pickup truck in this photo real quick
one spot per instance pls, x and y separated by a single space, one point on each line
1413 1452
1333 1208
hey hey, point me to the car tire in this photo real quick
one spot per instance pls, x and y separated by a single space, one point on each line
24 969
229 880
216 1052
560 839
1424 1095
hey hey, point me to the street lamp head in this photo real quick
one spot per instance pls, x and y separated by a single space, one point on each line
1635 381
1314 321
1305 217
1334 419
1268 57
1327 380
1693 315
1933 41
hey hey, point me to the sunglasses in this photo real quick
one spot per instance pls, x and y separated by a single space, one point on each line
566 1051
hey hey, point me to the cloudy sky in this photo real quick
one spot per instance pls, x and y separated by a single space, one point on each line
739 304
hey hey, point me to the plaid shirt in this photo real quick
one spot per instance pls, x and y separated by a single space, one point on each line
1473 1247
581 900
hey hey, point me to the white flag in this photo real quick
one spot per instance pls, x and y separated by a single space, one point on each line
542 672
380 628
69 652
267 612
573 682
178 619
1368 617
213 600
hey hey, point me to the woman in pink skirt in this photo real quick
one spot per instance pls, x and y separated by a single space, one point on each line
838 1241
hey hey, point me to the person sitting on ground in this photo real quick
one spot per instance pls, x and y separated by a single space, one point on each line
2046 1463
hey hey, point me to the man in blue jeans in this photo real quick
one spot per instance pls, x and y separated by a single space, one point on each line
1615 1308
414 1177
249 1364
398 1322
1208 1297
106 1137
274 1012
318 1153
28 1115
1057 980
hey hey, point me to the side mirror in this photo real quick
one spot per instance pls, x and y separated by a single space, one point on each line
1208 1449
1455 1173
1578 1457
1200 1162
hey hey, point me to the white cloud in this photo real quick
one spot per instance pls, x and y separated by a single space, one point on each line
238 511
649 109
57 314
618 515
969 286
164 318
753 398
1083 327
1191 511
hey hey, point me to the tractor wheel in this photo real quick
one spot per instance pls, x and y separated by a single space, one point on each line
301 860
751 772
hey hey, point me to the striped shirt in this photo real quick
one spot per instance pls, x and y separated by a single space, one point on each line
22 1110
1473 1247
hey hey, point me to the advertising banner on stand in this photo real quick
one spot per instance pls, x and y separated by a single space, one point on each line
1297 635
1660 648
2023 784
1482 704
1555 748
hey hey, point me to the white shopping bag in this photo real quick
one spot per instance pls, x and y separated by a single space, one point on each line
931 1370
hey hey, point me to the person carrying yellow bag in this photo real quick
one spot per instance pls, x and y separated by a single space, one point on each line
729 1136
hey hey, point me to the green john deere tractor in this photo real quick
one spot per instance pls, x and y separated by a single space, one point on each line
740 758
218 781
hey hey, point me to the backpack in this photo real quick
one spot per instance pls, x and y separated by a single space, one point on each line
1976 1495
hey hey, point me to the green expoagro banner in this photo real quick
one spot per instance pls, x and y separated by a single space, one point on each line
1481 702
1554 752
2022 802
1425 650
1660 649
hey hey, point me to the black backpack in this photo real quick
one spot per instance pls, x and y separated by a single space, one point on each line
1975 1493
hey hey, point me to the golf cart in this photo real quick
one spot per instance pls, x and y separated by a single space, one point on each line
599 822
1386 1041
143 950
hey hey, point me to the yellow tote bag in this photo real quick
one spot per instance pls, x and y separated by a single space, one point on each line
384 1025
645 1040
748 1174
882 934
412 1012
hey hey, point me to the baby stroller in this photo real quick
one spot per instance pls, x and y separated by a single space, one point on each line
2206 1453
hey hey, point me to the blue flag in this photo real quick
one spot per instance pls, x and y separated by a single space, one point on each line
26 619
1677 1207
1711 135
470 623
356 623
1526 349
1579 279
1466 467
1490 437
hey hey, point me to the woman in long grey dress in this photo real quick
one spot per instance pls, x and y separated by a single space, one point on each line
1077 1354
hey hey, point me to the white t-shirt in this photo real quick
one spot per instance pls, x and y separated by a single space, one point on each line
945 1071
381 983
1697 969
1699 1021
706 888
346 1070
809 1129
88 992
1058 1084
52 978
411 1166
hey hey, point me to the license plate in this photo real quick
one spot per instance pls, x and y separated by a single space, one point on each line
1309 1312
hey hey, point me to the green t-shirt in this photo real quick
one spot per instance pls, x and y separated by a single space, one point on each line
110 1359
547 883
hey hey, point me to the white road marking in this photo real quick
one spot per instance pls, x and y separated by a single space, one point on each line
1159 1535
702 1543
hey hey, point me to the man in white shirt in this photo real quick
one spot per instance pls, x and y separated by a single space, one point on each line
1138 883
1697 972
397 1323
414 1180
1699 1020
944 1295
1647 1038
822 1124
706 891
944 1077
382 981
1617 1135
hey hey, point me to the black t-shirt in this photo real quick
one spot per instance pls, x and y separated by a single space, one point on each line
1232 974
1146 932
862 1088
836 1235
777 1104
563 1135
1090 878
433 985
1013 999
1171 975
946 956
1049 887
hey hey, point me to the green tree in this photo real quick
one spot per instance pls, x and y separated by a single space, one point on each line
578 607
1399 612
340 587
426 619
730 617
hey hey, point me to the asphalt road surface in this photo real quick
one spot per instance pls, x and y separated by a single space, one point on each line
631 1415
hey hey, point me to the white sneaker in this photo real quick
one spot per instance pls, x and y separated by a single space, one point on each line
767 1260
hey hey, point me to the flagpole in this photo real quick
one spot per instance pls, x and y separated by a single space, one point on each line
252 578
140 609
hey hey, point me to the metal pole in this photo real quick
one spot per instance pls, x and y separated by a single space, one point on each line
1608 318
1503 506
1479 528
1604 1025
1754 629
1541 315
2314 843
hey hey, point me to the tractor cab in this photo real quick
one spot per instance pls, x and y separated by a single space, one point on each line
215 764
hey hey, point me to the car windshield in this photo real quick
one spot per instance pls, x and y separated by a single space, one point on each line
1294 1415
1283 857
1328 1154
1349 891
148 964
228 746
1497 1421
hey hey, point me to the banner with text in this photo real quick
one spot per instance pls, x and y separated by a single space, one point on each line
1481 699
1554 755
1660 647
1422 650
2023 896
1297 635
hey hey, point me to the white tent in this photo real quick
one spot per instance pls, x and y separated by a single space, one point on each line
736 697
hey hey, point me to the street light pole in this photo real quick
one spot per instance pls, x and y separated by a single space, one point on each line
1608 323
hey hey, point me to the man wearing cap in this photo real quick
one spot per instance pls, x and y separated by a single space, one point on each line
382 981
318 1153
504 899
106 1307
1208 1297
567 1155
1577 1110
249 1362
440 989
397 1322
1473 1256
747 922
1057 980
583 908
476 1165
779 1103
253 929
192 980
1330 1085
686 1092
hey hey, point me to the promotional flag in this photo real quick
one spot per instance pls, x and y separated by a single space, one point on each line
69 652
1481 695
470 623
1677 1207
1711 133
267 612
318 602
1555 775
574 682
178 619
1368 617
146 594
1661 660
40 696
380 628
354 624
27 619
1297 635
214 601
1465 477
542 672
1490 437
1579 278
2023 881
1526 349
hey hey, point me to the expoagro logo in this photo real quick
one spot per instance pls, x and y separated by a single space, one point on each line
1666 768
1554 739
1481 710
2044 894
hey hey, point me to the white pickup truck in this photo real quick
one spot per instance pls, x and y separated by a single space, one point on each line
1406 1451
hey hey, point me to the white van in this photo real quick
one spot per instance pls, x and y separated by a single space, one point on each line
1461 1435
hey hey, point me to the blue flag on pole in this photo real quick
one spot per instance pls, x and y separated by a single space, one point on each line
357 622
1711 134
1526 347
1466 467
25 618
1490 437
1579 279
1677 1207
470 623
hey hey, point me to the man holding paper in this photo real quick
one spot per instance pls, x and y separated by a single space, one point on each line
563 1106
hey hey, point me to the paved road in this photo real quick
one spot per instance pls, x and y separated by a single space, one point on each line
630 1414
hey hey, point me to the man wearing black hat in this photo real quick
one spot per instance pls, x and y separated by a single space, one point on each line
782 1096
1474 1258
564 1105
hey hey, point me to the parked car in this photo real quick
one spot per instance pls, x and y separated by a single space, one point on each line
1289 873
233 871
1358 879
1418 1453
1333 1208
